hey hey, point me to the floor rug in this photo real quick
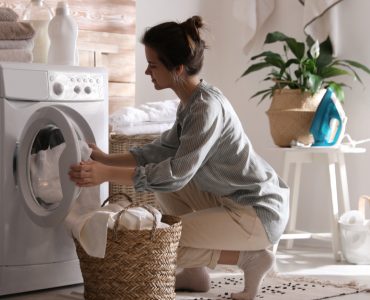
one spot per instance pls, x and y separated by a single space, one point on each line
227 280
274 287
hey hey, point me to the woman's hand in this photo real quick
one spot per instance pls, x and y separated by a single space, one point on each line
88 173
97 154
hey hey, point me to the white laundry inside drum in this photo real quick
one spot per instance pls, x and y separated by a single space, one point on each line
45 180
47 149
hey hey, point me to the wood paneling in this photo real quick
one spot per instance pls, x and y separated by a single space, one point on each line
106 38
121 66
117 16
123 41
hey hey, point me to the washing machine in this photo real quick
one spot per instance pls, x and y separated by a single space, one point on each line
42 106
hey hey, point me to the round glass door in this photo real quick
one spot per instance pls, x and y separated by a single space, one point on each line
48 146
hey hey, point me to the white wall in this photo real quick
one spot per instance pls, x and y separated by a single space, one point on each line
225 62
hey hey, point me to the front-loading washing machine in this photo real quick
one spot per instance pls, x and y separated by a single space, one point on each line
42 106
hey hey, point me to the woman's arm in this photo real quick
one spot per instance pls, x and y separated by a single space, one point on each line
91 173
116 159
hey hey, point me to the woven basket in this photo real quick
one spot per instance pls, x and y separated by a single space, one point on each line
289 125
138 264
290 116
119 143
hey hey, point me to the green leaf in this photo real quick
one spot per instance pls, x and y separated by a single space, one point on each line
309 65
276 36
353 71
291 62
332 71
357 65
274 61
256 67
267 54
326 54
338 90
326 47
296 47
267 91
309 41
314 82
269 94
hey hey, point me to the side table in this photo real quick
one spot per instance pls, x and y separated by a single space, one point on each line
333 157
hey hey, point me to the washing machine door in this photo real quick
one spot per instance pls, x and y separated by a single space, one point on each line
48 146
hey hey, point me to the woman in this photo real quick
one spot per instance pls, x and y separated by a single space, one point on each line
232 203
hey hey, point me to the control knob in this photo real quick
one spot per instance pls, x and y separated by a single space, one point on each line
77 89
87 90
58 88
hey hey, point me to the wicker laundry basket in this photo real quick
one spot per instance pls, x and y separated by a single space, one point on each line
138 264
119 143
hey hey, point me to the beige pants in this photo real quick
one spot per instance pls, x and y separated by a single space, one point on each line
211 224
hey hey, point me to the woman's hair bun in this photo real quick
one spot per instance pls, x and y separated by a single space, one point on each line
192 25
197 21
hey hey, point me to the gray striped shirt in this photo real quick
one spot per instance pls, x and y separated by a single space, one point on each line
208 145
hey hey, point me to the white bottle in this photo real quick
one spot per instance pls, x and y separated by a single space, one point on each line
63 32
38 14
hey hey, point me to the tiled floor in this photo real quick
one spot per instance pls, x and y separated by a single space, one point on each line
311 262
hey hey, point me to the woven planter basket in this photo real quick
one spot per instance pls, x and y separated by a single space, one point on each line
286 126
138 264
119 143
290 116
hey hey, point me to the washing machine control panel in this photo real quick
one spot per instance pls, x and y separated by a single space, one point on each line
76 86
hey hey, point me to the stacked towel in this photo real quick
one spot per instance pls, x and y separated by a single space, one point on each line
16 38
149 118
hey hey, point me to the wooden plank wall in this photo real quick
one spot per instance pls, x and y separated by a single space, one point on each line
106 38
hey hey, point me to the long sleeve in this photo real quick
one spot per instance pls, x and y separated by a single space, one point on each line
198 134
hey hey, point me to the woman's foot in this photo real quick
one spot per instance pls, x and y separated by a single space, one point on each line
255 265
193 279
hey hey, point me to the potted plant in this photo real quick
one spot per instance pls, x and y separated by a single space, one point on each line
298 77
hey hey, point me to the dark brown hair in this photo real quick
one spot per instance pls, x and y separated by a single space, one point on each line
178 44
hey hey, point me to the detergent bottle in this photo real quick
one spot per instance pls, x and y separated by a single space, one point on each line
39 14
63 32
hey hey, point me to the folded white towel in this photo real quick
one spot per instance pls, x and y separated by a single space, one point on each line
17 44
160 112
142 128
17 55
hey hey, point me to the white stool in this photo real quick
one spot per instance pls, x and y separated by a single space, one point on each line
332 156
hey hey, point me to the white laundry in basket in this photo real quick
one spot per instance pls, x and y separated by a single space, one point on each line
355 234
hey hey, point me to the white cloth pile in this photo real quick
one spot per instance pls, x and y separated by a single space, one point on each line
89 224
16 38
149 118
